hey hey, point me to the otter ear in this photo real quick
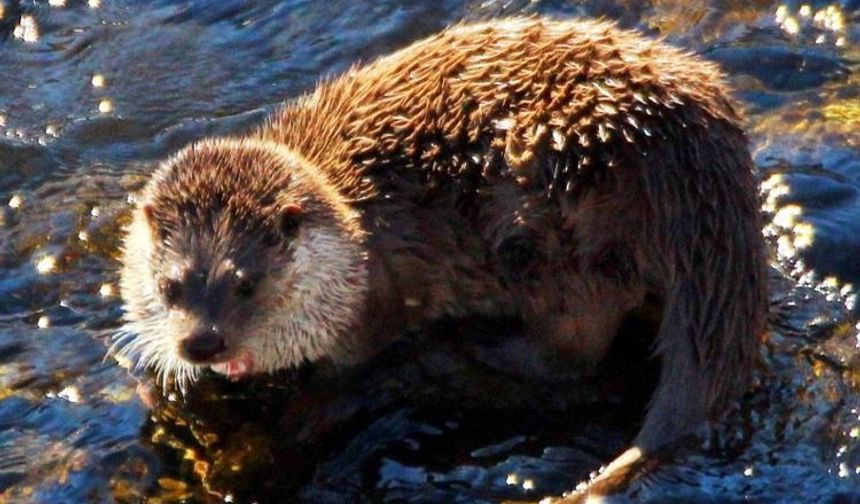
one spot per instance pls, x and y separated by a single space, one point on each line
149 215
289 220
157 231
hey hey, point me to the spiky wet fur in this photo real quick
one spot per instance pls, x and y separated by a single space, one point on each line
317 282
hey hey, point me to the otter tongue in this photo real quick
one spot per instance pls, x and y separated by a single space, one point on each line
235 368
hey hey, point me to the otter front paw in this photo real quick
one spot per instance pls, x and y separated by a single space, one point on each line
614 480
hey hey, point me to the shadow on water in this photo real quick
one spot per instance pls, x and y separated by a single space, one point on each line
93 92
439 417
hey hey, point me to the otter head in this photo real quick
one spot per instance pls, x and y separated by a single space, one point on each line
239 257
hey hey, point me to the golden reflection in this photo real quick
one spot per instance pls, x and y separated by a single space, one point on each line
781 14
830 282
803 122
106 290
46 264
674 16
786 216
201 468
774 188
830 19
27 29
785 247
846 112
804 235
105 106
791 232
791 26
175 489
118 393
98 81
857 345
71 394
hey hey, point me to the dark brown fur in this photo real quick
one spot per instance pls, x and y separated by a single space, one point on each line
624 171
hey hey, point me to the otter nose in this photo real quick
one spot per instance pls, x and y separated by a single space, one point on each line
202 347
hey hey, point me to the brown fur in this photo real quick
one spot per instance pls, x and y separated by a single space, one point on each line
567 87
558 170
621 157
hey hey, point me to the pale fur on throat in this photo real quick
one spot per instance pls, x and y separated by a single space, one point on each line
320 304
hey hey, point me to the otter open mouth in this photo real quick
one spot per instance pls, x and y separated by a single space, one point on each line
236 368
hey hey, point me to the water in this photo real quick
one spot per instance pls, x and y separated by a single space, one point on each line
93 93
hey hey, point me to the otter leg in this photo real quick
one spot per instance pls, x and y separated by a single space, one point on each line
683 398
715 296
686 390
705 239
681 401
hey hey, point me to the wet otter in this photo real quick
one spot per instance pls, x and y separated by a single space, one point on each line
559 171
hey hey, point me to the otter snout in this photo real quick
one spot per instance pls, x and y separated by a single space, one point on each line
202 347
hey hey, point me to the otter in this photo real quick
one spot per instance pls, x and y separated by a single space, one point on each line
563 172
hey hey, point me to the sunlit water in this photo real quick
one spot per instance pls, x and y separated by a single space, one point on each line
93 93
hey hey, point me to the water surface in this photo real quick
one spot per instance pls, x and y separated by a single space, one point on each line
93 93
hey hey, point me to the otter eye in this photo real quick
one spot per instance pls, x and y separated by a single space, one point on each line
171 289
271 239
290 217
245 288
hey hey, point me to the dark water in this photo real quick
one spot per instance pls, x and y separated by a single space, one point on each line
430 424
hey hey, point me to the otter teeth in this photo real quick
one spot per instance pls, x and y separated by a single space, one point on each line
235 368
